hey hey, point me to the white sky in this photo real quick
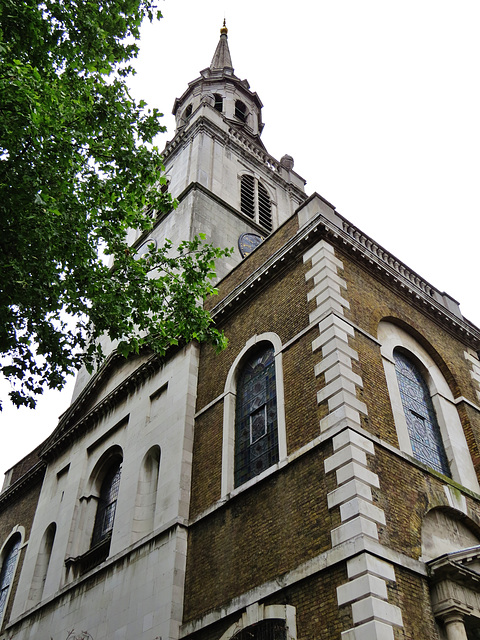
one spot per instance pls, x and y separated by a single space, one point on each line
378 101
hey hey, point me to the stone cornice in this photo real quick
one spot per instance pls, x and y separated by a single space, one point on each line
10 494
240 142
70 425
437 304
363 249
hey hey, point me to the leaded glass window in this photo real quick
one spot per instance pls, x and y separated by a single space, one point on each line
256 433
107 504
8 567
423 428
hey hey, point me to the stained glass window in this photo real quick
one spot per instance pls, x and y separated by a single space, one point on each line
8 567
256 434
107 504
423 429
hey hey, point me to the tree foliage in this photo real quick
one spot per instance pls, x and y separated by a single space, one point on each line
77 170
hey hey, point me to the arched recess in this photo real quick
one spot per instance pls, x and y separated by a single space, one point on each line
264 340
42 564
446 530
146 498
9 555
264 622
394 338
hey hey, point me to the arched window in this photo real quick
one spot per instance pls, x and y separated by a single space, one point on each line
107 504
394 339
241 110
423 429
218 104
8 569
188 111
256 433
263 630
273 622
255 201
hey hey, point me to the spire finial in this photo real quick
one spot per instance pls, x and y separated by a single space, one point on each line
221 58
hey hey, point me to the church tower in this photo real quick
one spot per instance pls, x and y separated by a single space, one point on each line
108 499
217 167
319 478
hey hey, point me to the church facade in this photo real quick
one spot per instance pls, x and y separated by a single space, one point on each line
317 479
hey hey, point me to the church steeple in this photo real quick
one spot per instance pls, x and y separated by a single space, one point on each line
219 88
221 58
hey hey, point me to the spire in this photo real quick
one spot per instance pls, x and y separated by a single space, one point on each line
221 58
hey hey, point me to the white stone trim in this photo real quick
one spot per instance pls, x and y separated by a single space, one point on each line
366 563
361 554
361 587
373 630
366 589
456 448
256 612
475 370
230 391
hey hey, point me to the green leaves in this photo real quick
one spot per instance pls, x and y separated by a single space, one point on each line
75 174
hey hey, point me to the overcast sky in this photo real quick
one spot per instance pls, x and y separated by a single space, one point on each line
377 101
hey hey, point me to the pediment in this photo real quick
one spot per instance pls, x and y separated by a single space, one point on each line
116 379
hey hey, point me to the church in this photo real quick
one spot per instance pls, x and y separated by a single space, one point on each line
318 479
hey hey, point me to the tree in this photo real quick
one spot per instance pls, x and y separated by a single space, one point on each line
77 170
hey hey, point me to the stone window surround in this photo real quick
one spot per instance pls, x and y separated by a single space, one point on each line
228 445
460 461
17 529
256 612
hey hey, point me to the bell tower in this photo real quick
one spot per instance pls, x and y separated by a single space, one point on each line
218 169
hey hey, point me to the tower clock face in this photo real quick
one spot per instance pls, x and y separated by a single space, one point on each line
247 242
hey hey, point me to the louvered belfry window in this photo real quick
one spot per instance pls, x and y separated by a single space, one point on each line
255 201
256 433
107 504
8 567
422 424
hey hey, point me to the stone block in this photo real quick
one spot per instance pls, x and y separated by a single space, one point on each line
372 608
366 585
373 630
348 436
349 490
359 526
344 456
365 562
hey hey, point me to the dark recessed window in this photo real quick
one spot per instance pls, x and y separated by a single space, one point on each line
107 504
263 630
218 104
8 568
188 111
422 424
241 111
255 201
256 433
